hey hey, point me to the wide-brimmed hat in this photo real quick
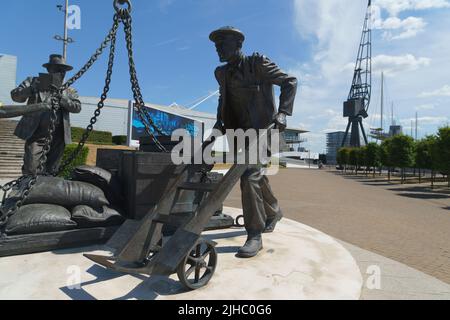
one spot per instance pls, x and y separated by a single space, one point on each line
57 60
215 35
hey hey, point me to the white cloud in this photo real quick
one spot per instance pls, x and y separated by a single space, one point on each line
423 107
394 7
332 23
437 120
334 28
392 65
442 92
396 28
408 27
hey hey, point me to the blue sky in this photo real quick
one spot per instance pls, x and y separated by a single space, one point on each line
314 39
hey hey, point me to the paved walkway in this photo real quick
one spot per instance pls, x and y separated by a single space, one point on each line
411 227
386 279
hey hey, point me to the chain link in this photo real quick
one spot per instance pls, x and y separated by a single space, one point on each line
96 55
55 99
101 103
56 96
143 114
122 15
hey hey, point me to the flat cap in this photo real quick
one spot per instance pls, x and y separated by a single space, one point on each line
215 35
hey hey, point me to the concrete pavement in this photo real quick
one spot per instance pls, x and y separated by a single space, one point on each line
411 227
297 262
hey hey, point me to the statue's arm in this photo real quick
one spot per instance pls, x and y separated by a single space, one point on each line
70 101
270 72
219 124
23 92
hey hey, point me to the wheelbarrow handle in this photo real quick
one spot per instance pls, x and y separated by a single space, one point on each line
212 138
12 111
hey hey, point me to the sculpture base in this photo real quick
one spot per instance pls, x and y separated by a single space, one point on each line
31 243
297 262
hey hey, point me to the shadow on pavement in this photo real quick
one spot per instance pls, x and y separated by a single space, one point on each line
422 192
424 195
150 288
423 189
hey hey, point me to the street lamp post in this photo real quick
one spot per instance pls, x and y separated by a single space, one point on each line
66 39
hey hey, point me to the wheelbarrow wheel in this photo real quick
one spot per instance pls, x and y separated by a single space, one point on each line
198 267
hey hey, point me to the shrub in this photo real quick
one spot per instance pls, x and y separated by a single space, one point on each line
96 137
120 140
78 161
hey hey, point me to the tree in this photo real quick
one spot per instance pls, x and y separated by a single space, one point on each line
362 158
372 155
343 157
401 152
442 154
423 154
385 156
353 158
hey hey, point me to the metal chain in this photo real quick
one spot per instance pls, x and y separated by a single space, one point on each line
122 15
96 55
55 99
143 114
56 96
101 103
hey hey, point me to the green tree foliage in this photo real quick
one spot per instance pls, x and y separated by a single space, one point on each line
401 152
362 161
343 157
385 157
442 152
372 156
423 155
353 158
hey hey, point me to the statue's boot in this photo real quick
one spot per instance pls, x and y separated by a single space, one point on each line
251 247
271 223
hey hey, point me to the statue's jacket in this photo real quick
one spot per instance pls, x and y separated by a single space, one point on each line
30 123
260 75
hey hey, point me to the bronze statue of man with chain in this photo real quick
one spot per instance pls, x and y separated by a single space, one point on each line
247 102
34 127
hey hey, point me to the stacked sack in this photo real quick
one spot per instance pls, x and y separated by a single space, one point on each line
93 198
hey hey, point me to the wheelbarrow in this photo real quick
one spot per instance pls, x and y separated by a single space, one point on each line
140 247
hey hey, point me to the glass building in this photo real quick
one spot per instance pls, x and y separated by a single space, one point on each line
334 143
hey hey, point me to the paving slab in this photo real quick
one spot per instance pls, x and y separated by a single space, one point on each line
396 281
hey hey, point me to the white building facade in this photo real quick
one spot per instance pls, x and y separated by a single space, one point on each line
8 70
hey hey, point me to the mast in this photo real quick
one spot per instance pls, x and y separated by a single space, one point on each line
382 102
417 125
392 114
66 14
65 39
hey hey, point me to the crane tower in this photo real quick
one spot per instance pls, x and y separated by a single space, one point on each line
357 105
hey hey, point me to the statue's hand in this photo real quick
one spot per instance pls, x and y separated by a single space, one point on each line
219 126
280 121
35 84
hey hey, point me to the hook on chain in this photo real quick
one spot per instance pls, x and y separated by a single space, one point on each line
122 11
